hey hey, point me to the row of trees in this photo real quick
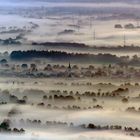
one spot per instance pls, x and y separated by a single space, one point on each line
58 55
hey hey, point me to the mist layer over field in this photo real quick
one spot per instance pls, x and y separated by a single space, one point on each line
69 70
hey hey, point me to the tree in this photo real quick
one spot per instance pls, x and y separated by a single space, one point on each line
5 125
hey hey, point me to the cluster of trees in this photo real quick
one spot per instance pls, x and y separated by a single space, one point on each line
131 130
81 84
84 57
13 112
7 97
48 123
62 97
112 127
63 44
61 83
58 55
9 41
70 107
133 109
89 126
114 93
14 99
76 107
86 47
5 127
